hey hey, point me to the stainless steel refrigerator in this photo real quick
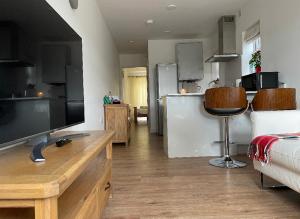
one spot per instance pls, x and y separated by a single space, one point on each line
167 83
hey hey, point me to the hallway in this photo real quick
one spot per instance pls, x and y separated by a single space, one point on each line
148 185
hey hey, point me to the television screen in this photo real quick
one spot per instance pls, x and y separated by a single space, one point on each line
41 78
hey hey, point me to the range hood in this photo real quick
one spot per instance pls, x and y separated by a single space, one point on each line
227 41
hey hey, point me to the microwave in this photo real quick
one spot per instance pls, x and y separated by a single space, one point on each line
262 80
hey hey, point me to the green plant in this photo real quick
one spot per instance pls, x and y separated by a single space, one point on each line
255 61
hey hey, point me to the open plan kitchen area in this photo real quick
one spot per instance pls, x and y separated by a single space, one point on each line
149 109
183 70
222 93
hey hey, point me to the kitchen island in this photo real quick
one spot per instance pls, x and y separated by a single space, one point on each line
191 132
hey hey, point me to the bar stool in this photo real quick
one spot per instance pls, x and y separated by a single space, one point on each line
226 102
274 99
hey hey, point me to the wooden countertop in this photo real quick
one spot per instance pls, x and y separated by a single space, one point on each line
117 105
20 178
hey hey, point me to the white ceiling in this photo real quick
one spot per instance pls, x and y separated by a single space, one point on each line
191 19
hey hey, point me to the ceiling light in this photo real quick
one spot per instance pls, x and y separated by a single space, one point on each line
149 21
131 41
171 7
167 31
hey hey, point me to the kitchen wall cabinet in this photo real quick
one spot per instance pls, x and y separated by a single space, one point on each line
15 45
7 36
54 62
189 57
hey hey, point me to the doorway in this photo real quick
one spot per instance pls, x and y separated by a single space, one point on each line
135 93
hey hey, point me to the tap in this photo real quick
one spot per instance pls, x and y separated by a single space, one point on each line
214 82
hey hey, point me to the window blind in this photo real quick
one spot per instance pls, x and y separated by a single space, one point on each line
252 32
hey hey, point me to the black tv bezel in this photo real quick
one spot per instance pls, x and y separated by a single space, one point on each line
24 140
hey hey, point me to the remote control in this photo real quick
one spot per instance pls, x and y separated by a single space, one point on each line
62 142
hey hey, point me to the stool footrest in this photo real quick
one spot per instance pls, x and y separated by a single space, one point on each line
222 142
226 162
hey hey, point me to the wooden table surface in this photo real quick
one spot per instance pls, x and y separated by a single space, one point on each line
20 178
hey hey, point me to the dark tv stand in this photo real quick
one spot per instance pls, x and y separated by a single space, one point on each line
36 154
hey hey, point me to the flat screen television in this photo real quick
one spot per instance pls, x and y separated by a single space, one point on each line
41 77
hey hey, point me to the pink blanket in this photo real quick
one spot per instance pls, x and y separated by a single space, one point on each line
260 147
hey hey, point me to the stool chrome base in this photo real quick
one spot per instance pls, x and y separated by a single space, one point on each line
226 162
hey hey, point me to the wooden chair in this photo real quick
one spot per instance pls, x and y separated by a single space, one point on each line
226 102
141 112
275 99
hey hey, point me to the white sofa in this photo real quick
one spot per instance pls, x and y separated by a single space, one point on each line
285 154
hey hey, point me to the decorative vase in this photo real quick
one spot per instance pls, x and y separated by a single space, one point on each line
258 69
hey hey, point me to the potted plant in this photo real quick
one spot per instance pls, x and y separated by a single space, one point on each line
255 61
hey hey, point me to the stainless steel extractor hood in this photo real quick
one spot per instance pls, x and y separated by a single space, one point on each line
227 41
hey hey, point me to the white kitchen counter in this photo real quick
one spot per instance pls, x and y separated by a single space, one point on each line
187 94
191 132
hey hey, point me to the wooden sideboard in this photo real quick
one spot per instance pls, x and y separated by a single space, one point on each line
73 182
117 119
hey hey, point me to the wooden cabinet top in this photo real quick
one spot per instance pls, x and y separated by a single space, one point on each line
20 178
116 105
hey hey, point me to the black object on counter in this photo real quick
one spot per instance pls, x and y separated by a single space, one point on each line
116 101
62 142
262 80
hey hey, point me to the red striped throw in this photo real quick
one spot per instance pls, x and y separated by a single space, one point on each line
260 147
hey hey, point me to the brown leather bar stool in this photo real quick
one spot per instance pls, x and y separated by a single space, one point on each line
275 99
226 102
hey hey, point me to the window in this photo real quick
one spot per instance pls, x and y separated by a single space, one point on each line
252 44
257 44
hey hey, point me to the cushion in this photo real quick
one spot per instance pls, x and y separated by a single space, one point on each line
286 152
225 111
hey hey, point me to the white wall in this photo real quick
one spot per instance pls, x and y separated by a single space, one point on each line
280 34
163 51
100 57
133 60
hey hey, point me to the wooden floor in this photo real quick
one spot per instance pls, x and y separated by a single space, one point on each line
146 184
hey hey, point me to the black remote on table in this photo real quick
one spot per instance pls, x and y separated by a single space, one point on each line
62 142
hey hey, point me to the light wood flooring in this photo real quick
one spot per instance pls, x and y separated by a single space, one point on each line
146 184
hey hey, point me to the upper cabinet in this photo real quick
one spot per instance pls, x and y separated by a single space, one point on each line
54 62
189 57
15 46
